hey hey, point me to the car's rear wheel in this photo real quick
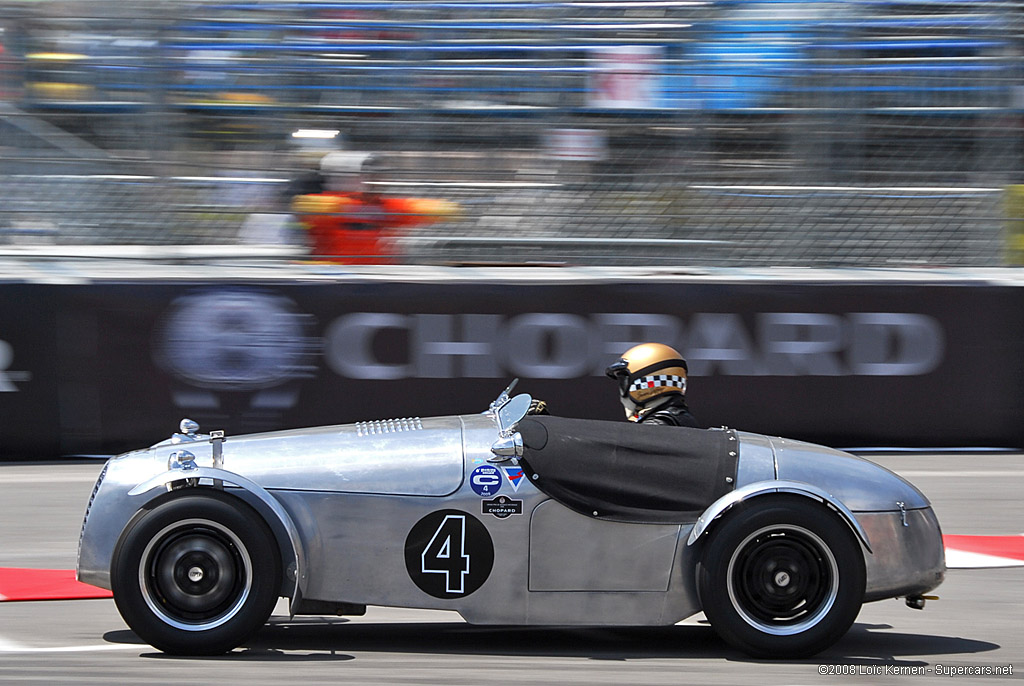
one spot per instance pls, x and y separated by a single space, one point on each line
781 578
196 574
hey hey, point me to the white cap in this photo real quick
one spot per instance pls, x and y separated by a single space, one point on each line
343 162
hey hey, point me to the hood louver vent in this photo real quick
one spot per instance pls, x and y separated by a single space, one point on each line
388 426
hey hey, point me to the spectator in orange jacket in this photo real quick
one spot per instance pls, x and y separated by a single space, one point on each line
351 222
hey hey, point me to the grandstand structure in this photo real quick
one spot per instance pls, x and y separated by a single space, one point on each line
689 132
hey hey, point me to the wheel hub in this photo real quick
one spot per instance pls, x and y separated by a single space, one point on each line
196 574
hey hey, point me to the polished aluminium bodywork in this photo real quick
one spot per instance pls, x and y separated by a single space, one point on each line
341 500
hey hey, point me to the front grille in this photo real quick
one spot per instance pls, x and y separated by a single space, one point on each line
88 507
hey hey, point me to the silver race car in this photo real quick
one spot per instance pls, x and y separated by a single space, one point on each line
507 518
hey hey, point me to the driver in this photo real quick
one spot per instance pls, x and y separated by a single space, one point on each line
652 385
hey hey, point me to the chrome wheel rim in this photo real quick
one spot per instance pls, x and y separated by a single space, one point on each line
782 579
195 575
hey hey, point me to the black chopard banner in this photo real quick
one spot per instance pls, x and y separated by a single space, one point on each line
97 369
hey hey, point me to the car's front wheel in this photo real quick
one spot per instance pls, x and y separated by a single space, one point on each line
781 578
196 574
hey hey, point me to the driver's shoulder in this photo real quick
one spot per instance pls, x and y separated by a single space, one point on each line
671 416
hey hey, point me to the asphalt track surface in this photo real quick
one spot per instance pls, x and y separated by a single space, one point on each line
977 622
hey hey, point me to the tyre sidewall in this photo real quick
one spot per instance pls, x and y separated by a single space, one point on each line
228 512
794 511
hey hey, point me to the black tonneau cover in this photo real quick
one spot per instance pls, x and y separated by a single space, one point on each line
629 472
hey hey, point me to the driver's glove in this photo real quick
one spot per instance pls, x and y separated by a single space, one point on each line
538 407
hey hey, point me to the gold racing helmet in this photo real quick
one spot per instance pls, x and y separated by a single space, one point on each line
647 372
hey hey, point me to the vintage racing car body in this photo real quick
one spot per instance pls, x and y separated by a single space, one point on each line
506 519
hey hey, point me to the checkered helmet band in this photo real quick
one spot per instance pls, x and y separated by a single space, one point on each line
658 381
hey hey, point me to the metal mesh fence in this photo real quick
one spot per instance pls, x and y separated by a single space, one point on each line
728 132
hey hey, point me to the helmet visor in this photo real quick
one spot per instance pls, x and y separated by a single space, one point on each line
619 371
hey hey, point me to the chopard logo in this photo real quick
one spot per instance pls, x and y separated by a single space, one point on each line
565 346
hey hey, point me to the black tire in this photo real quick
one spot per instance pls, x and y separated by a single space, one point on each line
781 577
196 573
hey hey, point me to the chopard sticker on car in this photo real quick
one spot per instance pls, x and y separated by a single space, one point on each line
501 507
449 554
515 477
485 480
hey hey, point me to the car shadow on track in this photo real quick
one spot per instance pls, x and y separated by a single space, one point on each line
336 638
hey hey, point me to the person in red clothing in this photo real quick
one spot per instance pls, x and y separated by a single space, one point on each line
350 222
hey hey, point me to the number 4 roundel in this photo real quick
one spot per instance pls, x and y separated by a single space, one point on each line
449 554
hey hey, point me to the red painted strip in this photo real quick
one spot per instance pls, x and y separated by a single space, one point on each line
45 584
999 546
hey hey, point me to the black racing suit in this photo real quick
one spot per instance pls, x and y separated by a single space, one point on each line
672 413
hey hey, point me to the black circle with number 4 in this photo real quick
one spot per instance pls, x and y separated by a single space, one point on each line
449 554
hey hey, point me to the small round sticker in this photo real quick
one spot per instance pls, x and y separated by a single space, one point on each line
485 480
449 554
